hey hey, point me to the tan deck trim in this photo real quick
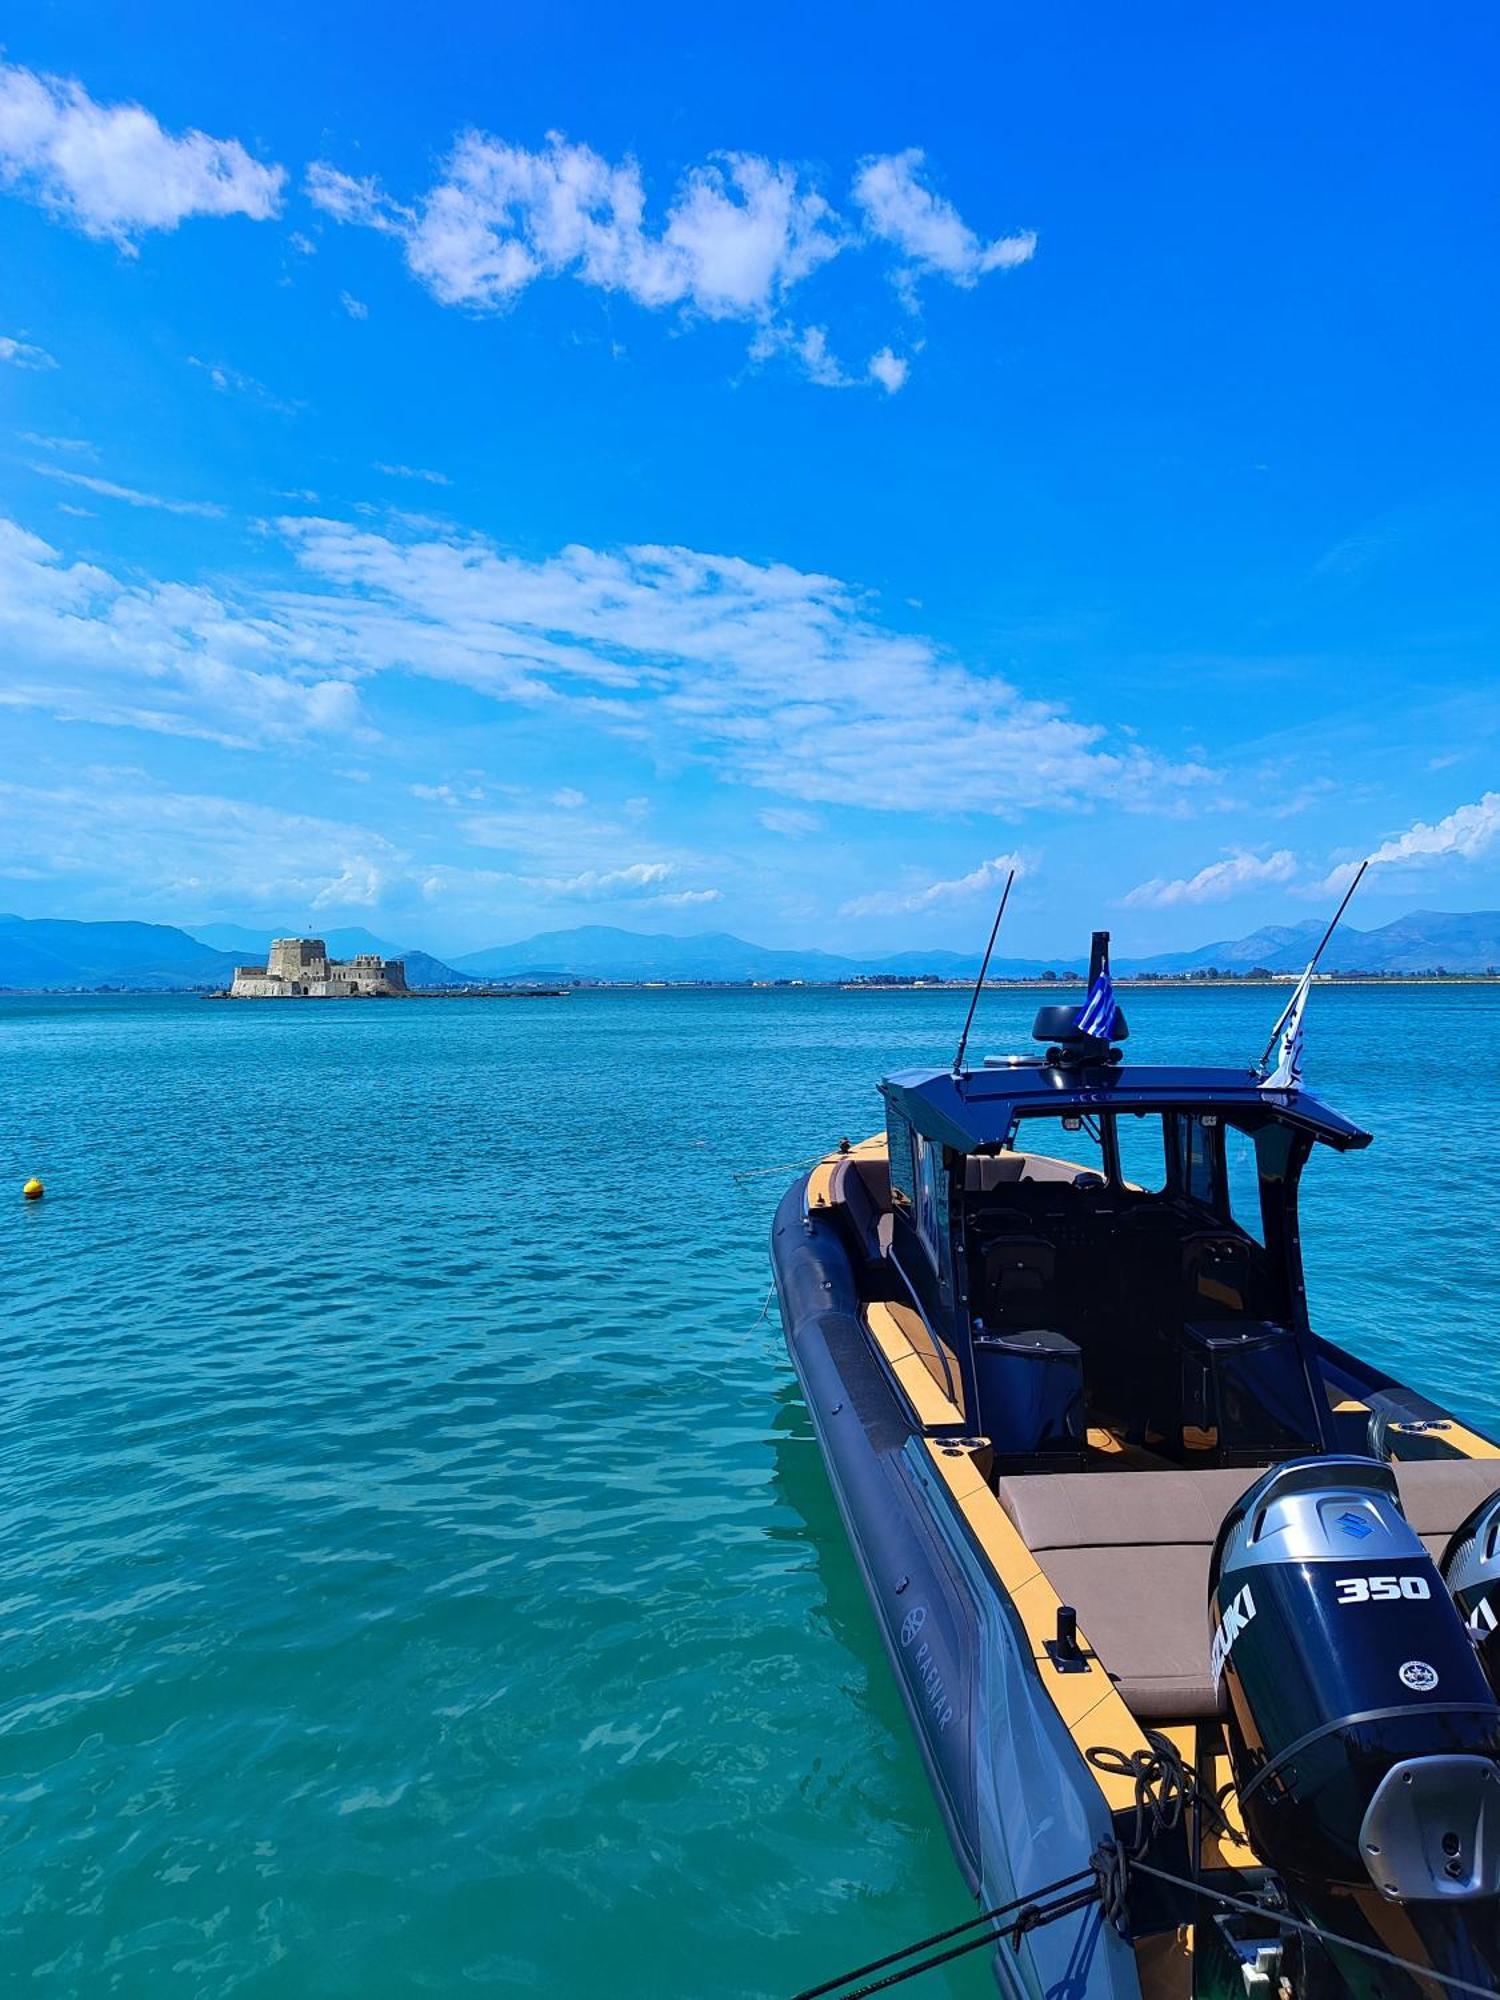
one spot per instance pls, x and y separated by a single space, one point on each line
820 1180
912 1355
1456 1436
1089 1703
1231 1850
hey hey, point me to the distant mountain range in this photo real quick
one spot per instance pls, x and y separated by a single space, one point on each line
1422 942
53 954
598 952
47 953
50 952
1425 941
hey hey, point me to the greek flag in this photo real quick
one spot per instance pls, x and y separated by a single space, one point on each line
1097 1016
1287 1075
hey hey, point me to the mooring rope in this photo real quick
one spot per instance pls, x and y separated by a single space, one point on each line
1166 1787
1028 1912
786 1167
1105 1881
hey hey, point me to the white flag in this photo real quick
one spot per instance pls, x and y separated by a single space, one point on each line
1287 1075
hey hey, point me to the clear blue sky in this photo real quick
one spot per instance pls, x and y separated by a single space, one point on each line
855 449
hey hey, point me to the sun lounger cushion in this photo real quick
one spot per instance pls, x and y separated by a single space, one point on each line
1130 1552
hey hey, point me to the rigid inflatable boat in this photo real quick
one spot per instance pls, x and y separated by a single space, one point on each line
1165 1577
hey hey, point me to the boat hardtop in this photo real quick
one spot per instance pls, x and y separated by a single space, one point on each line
1162 1571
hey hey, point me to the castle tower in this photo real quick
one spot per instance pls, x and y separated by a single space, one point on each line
298 959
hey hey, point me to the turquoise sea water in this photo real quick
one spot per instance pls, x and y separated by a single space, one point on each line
415 1573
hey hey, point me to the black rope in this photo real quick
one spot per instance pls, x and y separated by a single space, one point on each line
1111 1867
1284 1921
1028 1911
1166 1787
1030 1919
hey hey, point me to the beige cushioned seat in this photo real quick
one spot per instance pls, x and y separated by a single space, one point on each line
1130 1552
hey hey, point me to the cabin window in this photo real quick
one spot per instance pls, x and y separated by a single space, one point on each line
1193 1147
1242 1170
1060 1149
927 1161
903 1177
1142 1150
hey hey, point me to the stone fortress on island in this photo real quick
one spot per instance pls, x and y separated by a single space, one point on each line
300 969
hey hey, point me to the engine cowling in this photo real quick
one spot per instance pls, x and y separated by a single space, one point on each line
1362 1732
1471 1569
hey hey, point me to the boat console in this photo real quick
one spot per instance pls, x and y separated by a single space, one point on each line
1246 1395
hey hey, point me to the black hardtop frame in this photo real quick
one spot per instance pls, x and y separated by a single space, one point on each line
979 1108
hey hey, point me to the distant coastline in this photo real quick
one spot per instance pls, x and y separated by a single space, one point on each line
67 955
1150 983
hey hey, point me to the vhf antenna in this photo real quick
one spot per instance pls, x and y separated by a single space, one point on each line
1312 963
963 1040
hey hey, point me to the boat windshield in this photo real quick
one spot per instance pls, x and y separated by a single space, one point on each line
1129 1233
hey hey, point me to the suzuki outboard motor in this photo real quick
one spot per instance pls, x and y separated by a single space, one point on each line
1362 1733
1471 1570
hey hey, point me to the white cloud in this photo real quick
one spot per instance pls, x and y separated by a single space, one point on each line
776 678
414 472
80 446
360 884
111 170
84 646
115 834
931 236
570 854
532 836
592 885
347 200
792 822
1217 882
235 382
738 234
170 851
988 876
765 675
356 308
21 353
1465 834
808 346
684 899
889 370
131 495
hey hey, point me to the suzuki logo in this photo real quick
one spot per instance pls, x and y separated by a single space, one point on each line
1237 1615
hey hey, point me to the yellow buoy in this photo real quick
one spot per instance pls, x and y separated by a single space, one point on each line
33 1190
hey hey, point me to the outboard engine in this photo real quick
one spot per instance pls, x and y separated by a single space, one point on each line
1471 1570
1362 1734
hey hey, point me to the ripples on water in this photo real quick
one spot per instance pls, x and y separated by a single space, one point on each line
415 1571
